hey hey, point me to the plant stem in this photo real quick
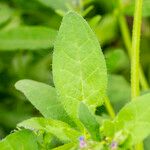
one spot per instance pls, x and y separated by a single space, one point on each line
109 108
135 66
127 40
135 90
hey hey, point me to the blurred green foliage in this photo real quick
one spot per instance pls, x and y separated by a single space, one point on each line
28 31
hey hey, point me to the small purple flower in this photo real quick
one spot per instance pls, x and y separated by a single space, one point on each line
82 142
114 145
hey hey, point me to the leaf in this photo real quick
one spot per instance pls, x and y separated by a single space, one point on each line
57 5
135 118
118 91
27 38
130 6
5 13
146 143
68 146
59 129
79 68
23 139
107 29
44 98
89 121
116 60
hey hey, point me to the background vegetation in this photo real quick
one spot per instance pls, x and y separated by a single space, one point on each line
27 33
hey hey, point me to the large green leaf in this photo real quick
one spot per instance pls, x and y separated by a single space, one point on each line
44 98
135 118
59 129
23 139
89 121
27 38
79 67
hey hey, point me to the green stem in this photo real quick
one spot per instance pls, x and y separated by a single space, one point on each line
109 108
135 75
135 66
127 40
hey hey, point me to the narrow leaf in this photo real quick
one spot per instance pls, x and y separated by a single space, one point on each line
68 146
27 38
89 121
59 129
44 98
57 5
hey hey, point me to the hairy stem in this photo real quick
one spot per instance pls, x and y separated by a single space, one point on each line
135 90
135 66
127 41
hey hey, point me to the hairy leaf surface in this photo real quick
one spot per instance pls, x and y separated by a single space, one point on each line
23 139
79 67
134 119
59 129
44 98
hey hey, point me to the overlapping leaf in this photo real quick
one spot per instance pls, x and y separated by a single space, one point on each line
44 98
23 139
59 129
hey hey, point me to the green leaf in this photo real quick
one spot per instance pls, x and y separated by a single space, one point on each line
79 68
135 118
146 143
107 29
59 129
130 6
119 91
57 5
116 60
44 98
68 146
27 38
23 139
5 13
89 121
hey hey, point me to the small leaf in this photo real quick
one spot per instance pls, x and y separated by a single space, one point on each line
146 143
68 146
89 121
44 98
23 139
5 13
135 118
79 68
57 5
116 60
118 91
107 29
27 38
59 129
